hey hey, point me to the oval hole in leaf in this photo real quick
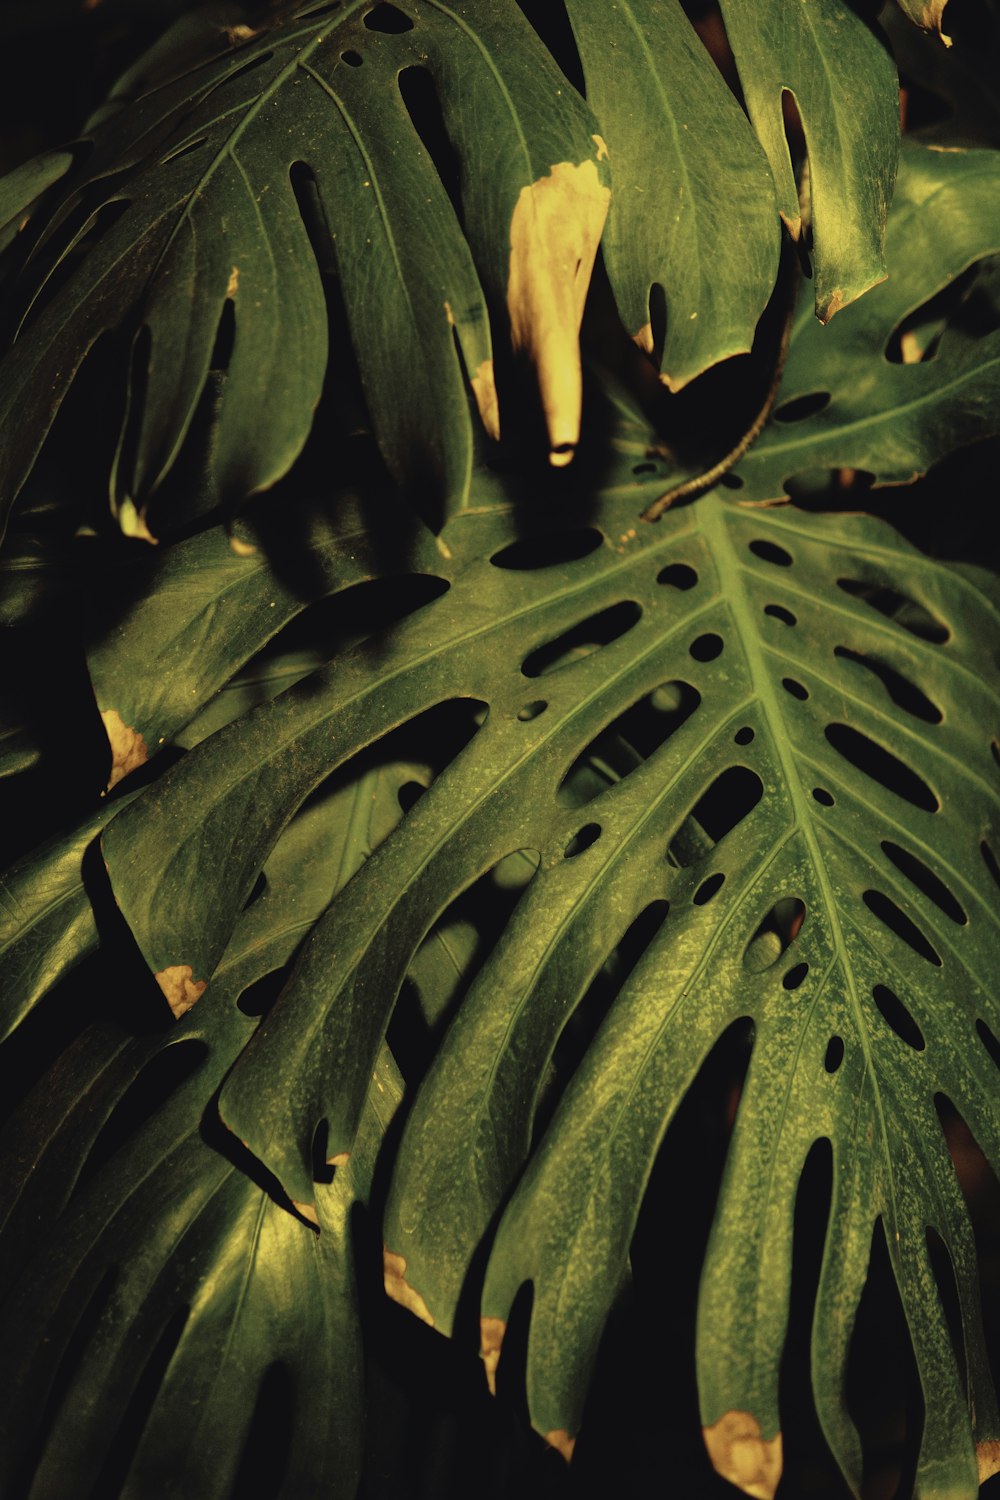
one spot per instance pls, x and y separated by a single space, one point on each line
899 923
989 1041
583 839
409 794
733 794
802 407
582 640
707 647
270 1431
823 797
779 612
775 934
896 1016
732 481
795 688
532 710
708 889
257 999
351 58
548 550
677 576
644 468
389 19
771 552
899 608
423 105
926 881
904 693
834 1054
875 761
744 736
627 742
146 1096
990 861
793 979
142 1400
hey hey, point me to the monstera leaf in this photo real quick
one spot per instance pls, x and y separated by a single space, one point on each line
918 401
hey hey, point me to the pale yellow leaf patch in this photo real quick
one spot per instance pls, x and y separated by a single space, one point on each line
554 234
340 1160
180 987
398 1288
741 1455
602 147
988 1458
644 338
932 17
307 1210
484 389
560 1439
240 547
491 1332
133 523
128 748
233 284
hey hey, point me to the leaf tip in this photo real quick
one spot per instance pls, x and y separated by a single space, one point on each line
399 1289
128 748
484 388
180 988
741 1455
560 1440
988 1458
491 1332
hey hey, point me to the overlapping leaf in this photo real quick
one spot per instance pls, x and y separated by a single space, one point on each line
844 403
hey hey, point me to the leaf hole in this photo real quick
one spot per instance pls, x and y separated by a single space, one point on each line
899 608
823 797
744 736
800 408
896 1016
267 1449
774 935
926 881
548 550
708 889
995 751
184 150
881 766
707 647
890 915
834 1054
989 1041
728 799
257 999
771 552
351 58
423 105
990 861
731 481
943 1271
389 19
532 710
157 1081
627 742
677 576
583 839
904 693
600 629
409 794
795 688
793 979
976 1178
645 468
144 1391
779 612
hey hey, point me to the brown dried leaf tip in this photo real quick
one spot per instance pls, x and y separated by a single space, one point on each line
932 17
180 987
128 748
741 1455
988 1458
398 1288
554 234
491 1332
560 1439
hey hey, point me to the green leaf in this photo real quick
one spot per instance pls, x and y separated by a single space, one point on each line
843 81
693 209
893 419
21 189
188 209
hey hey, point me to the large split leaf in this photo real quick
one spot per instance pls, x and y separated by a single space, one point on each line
791 717
187 215
693 210
844 402
843 81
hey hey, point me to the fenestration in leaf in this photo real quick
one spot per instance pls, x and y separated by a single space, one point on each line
843 81
893 419
187 204
777 721
693 209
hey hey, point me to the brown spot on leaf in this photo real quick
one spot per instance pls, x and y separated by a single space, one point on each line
741 1455
484 389
834 303
307 1211
128 748
240 547
560 1439
399 1289
449 315
644 338
340 1160
233 284
793 223
180 987
988 1458
554 234
491 1332
602 147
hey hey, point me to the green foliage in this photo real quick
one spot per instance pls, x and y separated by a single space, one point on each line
455 818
